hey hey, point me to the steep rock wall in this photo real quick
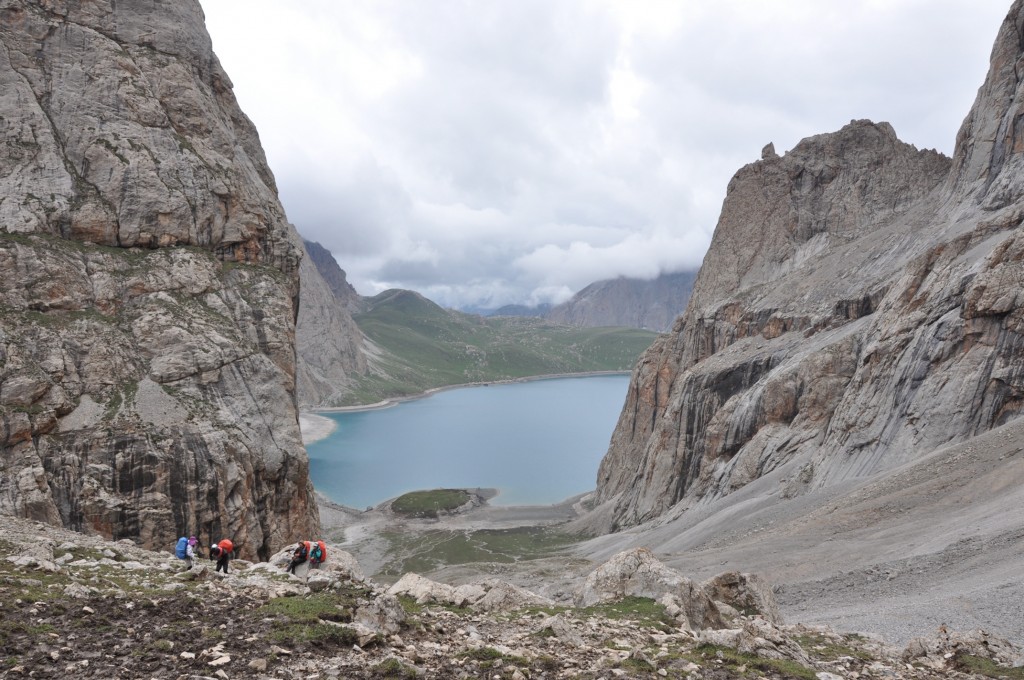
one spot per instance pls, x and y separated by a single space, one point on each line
329 344
859 306
150 287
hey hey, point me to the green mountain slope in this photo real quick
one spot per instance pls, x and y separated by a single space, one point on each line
417 345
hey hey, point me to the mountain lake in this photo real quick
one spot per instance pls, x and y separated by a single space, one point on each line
537 442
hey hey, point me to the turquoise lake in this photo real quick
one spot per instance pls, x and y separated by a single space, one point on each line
537 442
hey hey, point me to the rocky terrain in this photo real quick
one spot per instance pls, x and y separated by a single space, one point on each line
331 349
78 606
858 309
150 287
635 303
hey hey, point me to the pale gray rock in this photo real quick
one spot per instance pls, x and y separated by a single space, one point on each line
384 614
942 644
749 594
859 307
150 289
328 342
423 590
560 628
503 597
638 573
634 303
317 580
468 594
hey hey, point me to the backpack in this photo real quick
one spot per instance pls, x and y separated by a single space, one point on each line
321 551
226 546
181 548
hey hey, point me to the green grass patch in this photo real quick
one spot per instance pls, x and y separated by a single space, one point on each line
298 634
393 668
430 503
733 659
426 346
325 606
643 611
426 551
823 648
637 666
482 654
988 668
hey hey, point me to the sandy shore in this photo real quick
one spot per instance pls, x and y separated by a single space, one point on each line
314 427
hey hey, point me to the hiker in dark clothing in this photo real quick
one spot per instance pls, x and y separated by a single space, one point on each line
298 556
222 553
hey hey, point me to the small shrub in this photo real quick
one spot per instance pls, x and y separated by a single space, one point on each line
393 668
482 654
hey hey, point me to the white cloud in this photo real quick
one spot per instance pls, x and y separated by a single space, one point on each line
513 150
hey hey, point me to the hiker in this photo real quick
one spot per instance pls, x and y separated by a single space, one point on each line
317 554
181 551
299 556
190 551
222 553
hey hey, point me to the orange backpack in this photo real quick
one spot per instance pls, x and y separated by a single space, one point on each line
226 546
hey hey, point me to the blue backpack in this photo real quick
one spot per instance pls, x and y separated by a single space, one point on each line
181 548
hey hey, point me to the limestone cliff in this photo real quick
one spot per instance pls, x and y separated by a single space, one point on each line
150 285
860 305
633 303
329 344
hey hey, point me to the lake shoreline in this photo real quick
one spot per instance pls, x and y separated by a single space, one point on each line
394 401
542 422
315 427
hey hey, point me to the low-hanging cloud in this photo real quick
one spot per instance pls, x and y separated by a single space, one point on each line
514 152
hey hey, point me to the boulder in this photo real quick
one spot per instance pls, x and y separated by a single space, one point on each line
502 596
384 614
944 644
423 590
638 573
749 594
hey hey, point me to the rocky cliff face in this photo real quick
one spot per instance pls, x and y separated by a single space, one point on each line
330 345
633 303
860 305
149 288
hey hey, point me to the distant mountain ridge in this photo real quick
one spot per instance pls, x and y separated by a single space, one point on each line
399 343
637 303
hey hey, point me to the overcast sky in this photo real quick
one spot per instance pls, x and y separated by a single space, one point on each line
514 151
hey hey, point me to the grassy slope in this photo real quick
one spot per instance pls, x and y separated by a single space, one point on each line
425 346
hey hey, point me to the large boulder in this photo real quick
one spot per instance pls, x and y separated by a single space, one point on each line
502 596
638 573
749 594
384 614
943 645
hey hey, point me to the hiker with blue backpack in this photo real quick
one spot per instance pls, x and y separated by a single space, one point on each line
185 549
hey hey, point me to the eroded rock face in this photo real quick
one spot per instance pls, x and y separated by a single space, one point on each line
329 344
860 306
149 295
635 303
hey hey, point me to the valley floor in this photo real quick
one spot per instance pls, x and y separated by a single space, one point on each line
936 542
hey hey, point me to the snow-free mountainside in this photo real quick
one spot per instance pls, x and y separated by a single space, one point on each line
829 435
